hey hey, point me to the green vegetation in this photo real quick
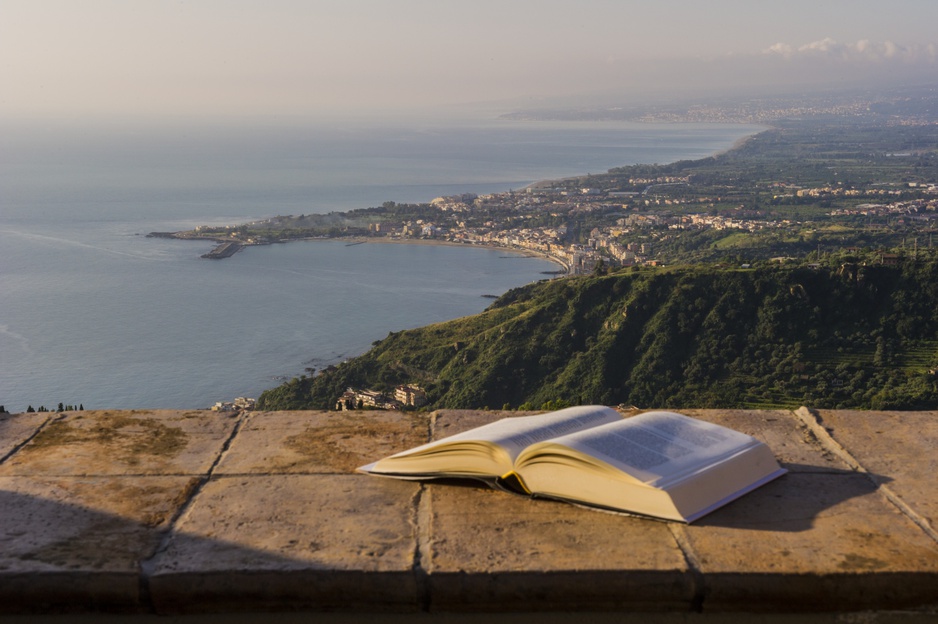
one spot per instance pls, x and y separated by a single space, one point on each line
842 336
803 272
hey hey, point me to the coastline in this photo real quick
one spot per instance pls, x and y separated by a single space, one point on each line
358 240
112 355
565 268
738 143
227 248
223 251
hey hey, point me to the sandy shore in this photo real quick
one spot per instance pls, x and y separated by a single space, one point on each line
425 241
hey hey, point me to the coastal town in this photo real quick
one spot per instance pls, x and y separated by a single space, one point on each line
586 229
775 194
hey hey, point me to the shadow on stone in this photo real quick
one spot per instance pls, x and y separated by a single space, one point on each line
788 504
62 557
58 556
793 502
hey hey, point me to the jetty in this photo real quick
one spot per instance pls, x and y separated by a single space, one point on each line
225 250
240 513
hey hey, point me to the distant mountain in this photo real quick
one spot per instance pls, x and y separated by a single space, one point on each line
847 336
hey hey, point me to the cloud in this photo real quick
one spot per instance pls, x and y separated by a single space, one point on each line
863 51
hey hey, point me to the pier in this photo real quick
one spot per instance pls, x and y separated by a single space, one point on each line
225 250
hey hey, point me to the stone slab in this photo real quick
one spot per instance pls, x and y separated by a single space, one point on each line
319 442
792 538
161 442
70 543
488 550
898 448
287 542
16 429
85 524
813 541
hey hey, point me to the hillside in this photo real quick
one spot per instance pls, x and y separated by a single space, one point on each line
844 336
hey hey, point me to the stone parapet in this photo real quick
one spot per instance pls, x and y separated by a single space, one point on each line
204 512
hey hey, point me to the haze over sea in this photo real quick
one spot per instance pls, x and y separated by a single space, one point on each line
92 312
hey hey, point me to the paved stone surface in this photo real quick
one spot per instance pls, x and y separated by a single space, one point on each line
16 429
799 537
320 442
68 542
173 511
325 541
122 443
813 541
898 448
490 550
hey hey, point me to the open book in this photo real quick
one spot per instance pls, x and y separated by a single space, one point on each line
659 464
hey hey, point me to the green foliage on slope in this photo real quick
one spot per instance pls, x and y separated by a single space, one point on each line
843 336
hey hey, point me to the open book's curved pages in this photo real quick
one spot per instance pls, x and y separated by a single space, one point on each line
661 464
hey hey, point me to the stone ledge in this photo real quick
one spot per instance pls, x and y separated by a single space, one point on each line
200 512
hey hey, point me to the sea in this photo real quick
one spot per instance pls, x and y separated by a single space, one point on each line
94 313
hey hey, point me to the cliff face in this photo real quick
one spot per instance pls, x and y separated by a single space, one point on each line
851 336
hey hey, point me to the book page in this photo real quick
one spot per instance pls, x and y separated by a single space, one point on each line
656 446
516 434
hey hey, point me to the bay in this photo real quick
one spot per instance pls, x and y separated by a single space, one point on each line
93 312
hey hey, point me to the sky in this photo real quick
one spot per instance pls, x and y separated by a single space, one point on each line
229 58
